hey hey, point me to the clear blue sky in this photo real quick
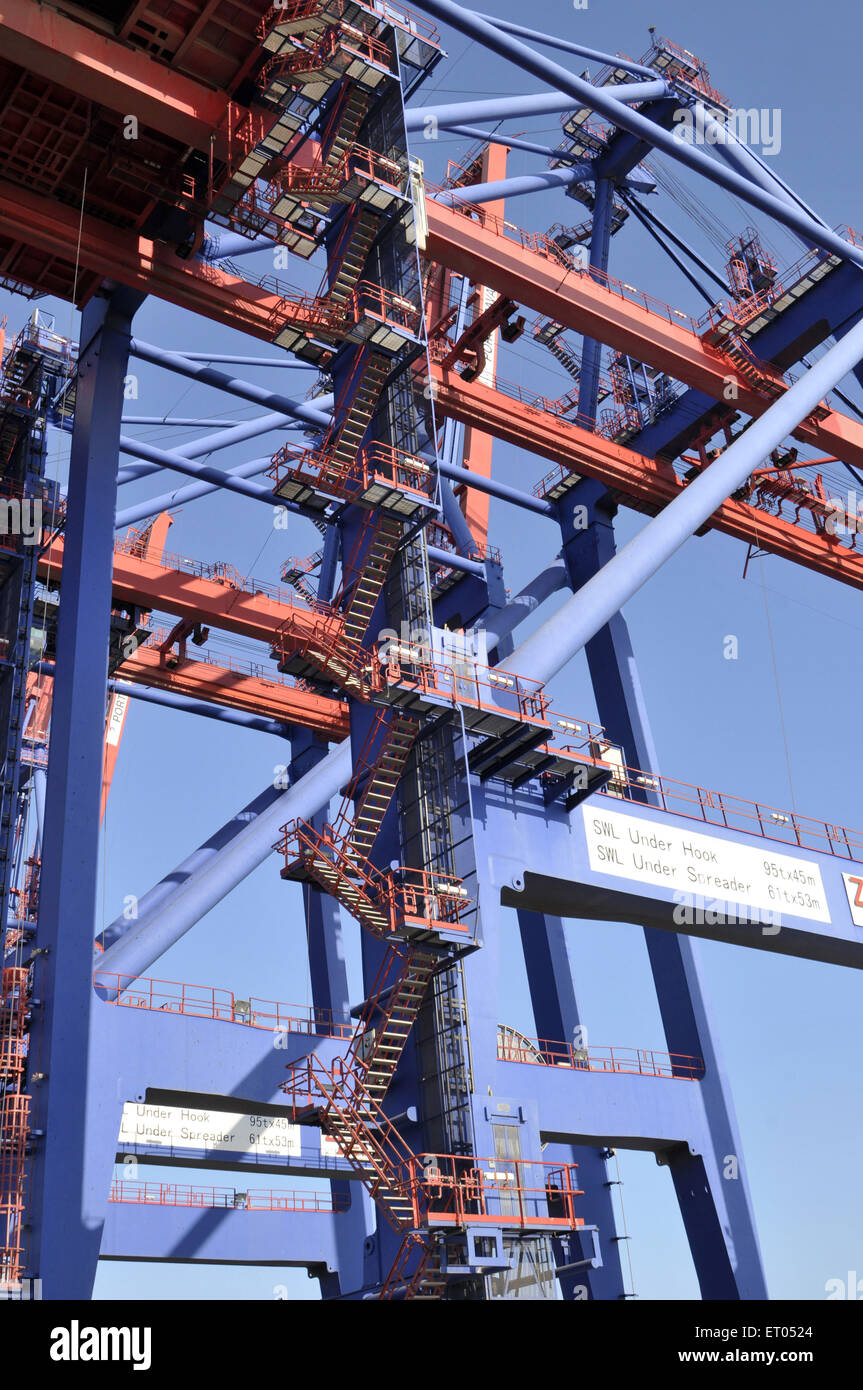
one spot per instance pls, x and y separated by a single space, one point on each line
789 1030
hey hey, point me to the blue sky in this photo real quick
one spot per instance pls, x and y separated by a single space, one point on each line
789 1029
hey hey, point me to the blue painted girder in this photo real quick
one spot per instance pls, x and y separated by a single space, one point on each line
190 1235
546 868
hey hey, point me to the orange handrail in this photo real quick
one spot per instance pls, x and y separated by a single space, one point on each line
229 1198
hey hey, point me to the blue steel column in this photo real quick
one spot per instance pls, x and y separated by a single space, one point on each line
727 1261
557 1016
70 1175
591 354
552 989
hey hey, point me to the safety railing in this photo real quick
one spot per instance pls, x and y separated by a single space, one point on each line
220 660
305 310
335 48
555 478
208 1001
629 1061
329 179
419 895
806 504
401 896
217 571
745 311
614 423
543 245
398 15
369 300
738 813
449 1190
689 70
32 491
376 463
849 234
439 534
394 466
165 1194
483 687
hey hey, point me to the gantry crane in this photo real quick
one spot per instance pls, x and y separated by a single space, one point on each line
456 1158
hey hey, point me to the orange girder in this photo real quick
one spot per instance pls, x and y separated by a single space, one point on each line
222 686
119 76
578 302
477 452
148 584
569 298
151 543
643 482
146 265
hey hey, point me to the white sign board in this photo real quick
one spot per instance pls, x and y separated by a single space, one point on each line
168 1127
116 717
704 866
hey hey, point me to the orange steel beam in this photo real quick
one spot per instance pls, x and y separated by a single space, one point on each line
575 300
581 303
146 265
643 482
476 455
221 686
152 543
146 582
123 78
149 584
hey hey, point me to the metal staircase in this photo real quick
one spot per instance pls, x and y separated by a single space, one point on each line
335 651
349 112
369 562
394 1001
360 396
350 253
367 1139
14 1121
380 764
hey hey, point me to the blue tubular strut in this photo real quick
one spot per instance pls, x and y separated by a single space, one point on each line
171 700
454 518
218 247
180 422
583 615
232 358
518 187
207 876
234 432
512 142
536 104
210 444
747 163
456 562
600 100
452 512
167 458
611 60
247 390
525 500
166 501
546 583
